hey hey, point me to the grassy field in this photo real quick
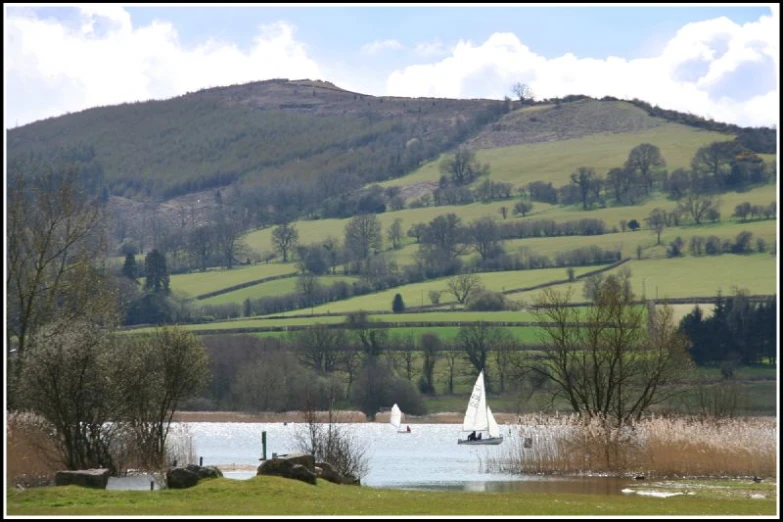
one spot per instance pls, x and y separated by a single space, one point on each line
272 288
692 277
197 283
555 161
276 496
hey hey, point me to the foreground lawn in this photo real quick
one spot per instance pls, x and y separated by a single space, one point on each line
277 496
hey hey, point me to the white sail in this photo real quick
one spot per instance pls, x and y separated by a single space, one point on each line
494 430
476 414
396 416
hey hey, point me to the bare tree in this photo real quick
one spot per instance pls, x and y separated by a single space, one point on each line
463 168
55 240
522 91
319 347
657 221
434 296
284 238
431 350
697 205
484 234
477 341
610 362
394 234
363 236
462 285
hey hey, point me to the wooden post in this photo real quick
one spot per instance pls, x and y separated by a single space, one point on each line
152 485
201 461
263 445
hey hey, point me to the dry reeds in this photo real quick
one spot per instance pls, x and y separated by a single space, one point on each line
657 446
31 452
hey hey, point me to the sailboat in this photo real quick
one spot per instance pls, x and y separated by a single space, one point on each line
395 419
478 417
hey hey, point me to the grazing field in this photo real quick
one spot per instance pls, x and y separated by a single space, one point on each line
270 289
198 283
555 160
277 496
417 294
691 277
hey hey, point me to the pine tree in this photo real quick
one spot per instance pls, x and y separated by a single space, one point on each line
398 305
157 273
129 269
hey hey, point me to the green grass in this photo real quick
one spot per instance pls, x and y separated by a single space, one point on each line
197 283
270 289
691 277
555 161
417 294
265 496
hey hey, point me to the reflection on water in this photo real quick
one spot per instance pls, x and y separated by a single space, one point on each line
428 458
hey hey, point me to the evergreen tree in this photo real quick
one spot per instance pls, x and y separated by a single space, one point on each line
157 273
398 305
129 269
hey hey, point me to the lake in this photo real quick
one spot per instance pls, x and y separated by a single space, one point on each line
427 458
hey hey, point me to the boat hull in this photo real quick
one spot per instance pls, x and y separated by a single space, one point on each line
483 442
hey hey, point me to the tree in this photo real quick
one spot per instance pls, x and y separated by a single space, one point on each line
484 234
398 306
158 372
434 296
395 233
522 207
66 380
156 273
633 225
416 231
284 237
584 178
644 158
697 205
308 286
363 236
431 347
742 210
614 360
657 222
319 347
522 91
129 268
228 232
503 211
462 285
55 239
477 341
462 168
710 158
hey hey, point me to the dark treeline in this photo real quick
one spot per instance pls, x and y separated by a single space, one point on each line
739 331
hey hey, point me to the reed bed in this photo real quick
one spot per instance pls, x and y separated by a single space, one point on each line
31 454
654 447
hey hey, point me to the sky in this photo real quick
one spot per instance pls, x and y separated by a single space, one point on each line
719 62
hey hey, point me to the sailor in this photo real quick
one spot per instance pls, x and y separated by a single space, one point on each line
479 437
472 436
409 429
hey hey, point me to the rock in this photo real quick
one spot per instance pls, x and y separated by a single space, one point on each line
90 478
181 478
205 471
327 472
299 466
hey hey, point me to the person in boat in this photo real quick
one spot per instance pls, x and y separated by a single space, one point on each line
409 429
472 436
479 437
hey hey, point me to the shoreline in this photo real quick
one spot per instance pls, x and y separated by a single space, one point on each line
351 416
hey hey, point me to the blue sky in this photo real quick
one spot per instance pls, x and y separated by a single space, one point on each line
715 61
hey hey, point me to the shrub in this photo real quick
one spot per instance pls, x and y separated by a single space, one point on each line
486 301
398 305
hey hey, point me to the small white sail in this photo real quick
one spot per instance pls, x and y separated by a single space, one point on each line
476 414
494 430
396 416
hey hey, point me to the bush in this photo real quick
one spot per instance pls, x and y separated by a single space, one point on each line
398 305
486 301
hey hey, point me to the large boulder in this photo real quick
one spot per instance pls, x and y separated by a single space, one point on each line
205 471
298 466
181 478
326 471
90 478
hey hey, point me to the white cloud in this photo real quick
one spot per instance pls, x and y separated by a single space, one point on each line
434 48
52 68
381 45
714 49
